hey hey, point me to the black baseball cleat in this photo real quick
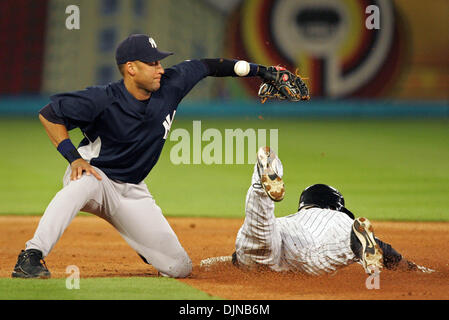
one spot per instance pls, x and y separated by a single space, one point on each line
29 265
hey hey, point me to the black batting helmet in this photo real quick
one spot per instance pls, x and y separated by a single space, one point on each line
325 197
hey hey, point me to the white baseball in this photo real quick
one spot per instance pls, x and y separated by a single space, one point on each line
241 68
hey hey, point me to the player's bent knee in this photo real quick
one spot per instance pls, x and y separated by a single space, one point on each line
179 267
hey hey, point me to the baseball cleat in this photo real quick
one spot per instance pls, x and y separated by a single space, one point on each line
29 265
371 255
268 168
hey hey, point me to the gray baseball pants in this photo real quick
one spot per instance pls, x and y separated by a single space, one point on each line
129 208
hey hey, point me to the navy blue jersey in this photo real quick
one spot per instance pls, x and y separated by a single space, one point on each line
124 137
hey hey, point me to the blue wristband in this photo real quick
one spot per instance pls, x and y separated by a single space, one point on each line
68 150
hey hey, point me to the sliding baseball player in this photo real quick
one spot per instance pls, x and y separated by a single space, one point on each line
321 237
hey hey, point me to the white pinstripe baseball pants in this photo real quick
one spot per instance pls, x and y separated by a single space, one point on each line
313 241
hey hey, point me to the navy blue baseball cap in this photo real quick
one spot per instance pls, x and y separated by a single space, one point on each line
139 47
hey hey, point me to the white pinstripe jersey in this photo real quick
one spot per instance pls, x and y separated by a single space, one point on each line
313 240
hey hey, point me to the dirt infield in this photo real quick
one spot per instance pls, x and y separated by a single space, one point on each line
98 250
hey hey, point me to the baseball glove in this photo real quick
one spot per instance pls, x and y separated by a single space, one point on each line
279 83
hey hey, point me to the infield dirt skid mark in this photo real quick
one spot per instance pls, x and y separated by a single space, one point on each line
99 251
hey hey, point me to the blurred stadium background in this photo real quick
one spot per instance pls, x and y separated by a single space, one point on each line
399 71
406 59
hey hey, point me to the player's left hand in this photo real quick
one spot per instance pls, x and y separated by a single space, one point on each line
279 83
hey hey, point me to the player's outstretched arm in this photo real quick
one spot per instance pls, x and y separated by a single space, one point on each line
278 82
393 260
221 67
407 265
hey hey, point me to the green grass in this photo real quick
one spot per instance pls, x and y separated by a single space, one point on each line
386 169
100 289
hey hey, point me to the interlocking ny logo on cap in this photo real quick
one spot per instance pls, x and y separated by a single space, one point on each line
152 43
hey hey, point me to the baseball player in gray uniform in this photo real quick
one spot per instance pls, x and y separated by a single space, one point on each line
321 237
125 125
